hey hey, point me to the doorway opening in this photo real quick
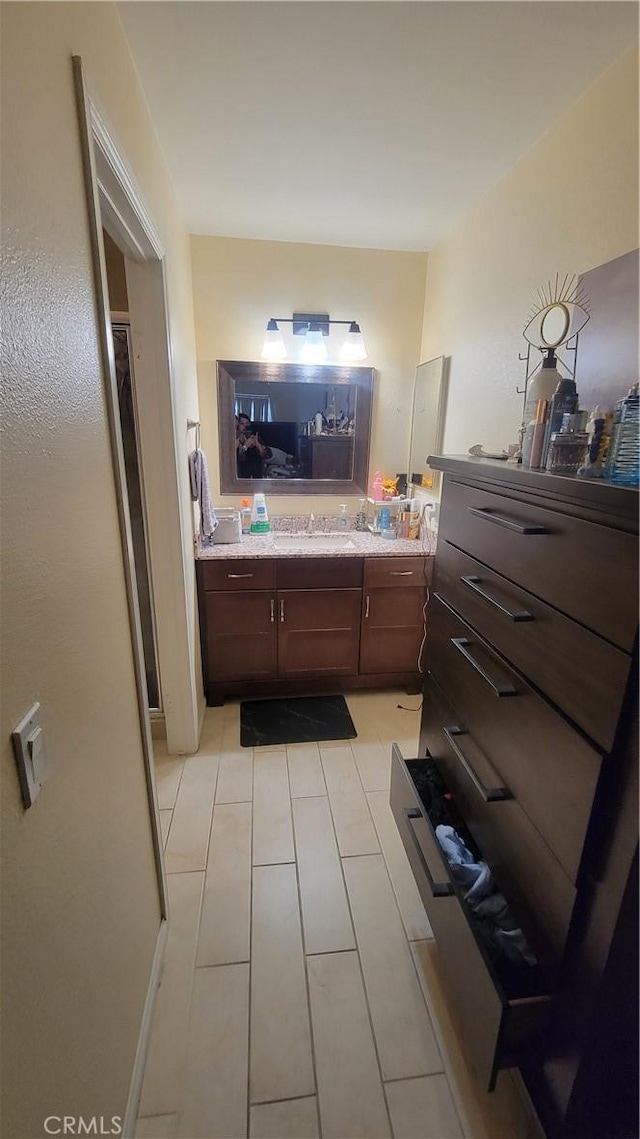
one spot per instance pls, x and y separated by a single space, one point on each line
128 408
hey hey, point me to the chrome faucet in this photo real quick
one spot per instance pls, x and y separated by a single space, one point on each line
311 523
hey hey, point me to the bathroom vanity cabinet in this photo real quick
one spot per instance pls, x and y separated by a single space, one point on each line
272 626
530 721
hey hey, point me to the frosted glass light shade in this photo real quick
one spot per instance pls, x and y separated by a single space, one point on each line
273 347
353 347
314 349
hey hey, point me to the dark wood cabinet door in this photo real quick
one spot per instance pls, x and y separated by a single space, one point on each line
392 629
318 632
241 635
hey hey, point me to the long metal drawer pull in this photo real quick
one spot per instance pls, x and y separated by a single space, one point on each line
400 573
474 583
273 610
461 643
438 889
239 575
489 794
489 516
366 605
281 609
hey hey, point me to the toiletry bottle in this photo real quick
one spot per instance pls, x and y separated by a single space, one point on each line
623 464
343 521
542 386
414 519
259 517
564 401
599 431
318 423
361 517
245 515
385 518
535 459
376 487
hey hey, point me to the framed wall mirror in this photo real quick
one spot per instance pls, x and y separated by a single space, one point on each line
427 423
293 428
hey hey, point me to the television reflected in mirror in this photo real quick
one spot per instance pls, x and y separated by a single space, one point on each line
293 428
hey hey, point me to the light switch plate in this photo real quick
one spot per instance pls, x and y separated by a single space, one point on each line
31 755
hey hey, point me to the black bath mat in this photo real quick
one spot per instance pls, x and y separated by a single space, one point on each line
295 720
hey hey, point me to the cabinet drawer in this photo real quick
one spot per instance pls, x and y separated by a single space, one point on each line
579 671
540 891
498 1029
586 570
543 762
319 573
395 573
239 573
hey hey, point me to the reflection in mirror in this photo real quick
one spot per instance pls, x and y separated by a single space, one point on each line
427 425
294 431
555 325
293 428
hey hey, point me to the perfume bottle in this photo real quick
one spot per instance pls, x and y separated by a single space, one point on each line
623 463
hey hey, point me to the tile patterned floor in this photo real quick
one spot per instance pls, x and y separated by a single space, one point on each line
300 995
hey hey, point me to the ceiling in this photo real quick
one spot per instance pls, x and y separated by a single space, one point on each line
373 124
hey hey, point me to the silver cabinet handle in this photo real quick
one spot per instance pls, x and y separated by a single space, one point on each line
366 606
438 889
400 573
239 575
462 645
474 583
281 609
273 610
489 794
489 516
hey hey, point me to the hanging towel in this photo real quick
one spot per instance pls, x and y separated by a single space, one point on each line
201 493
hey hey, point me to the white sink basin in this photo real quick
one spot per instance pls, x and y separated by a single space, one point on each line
313 542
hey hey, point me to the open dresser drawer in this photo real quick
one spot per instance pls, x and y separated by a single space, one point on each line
502 1018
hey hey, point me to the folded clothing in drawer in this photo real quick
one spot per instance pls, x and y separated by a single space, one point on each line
501 997
495 924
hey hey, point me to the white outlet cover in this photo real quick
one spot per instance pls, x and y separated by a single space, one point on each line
31 755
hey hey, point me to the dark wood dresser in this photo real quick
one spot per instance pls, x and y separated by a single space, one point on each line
530 726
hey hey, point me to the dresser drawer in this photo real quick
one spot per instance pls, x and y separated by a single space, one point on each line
541 893
544 763
497 1029
395 573
586 570
239 573
583 674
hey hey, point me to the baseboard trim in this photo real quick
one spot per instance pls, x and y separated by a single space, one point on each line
139 1063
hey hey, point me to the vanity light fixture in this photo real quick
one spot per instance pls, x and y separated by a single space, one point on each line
274 346
314 327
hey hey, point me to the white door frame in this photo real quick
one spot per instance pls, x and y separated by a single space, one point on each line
134 228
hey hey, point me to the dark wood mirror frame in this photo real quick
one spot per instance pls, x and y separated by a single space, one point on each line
228 371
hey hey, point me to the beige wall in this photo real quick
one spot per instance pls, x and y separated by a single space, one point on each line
569 205
80 910
238 285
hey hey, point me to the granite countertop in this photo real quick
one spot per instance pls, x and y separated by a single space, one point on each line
363 545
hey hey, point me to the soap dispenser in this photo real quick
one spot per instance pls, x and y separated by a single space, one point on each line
343 521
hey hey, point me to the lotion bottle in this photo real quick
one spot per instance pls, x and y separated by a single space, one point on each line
259 518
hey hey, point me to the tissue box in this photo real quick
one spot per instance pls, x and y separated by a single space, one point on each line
229 528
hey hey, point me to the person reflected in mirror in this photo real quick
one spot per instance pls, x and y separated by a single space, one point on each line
251 452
